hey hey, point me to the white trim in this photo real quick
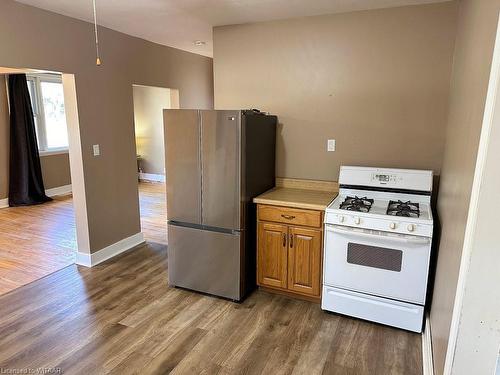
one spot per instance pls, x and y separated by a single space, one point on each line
59 190
76 164
151 177
7 92
156 87
4 203
39 109
491 98
55 151
46 76
90 260
427 357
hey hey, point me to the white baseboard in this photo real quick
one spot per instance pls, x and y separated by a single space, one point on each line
151 177
4 202
59 190
427 357
90 260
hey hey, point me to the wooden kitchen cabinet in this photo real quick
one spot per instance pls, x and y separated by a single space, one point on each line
304 260
272 254
289 256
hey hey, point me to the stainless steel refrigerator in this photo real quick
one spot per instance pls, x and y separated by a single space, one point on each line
216 162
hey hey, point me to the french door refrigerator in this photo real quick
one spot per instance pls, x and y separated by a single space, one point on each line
216 162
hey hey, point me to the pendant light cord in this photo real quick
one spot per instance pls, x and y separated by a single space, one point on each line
98 59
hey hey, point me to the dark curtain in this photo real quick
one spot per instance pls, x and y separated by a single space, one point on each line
25 173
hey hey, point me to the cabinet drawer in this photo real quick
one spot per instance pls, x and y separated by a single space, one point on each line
287 215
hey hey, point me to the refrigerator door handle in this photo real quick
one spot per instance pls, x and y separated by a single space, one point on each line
204 227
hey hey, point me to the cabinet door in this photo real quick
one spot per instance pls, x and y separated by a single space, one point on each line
304 260
272 255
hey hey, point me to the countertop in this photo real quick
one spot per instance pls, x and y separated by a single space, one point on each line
297 198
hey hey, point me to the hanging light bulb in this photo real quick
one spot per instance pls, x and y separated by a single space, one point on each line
98 58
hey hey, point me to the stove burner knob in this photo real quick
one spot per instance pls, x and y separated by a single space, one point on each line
357 220
341 219
392 226
410 227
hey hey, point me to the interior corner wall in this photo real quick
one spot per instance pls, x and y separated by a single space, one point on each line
476 31
376 81
174 99
38 39
476 318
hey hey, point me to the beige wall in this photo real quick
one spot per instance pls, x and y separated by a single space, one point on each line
55 168
33 38
471 67
478 339
376 81
149 103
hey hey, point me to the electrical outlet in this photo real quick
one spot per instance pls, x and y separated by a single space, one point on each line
96 150
331 145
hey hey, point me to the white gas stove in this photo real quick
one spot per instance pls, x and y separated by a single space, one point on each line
378 235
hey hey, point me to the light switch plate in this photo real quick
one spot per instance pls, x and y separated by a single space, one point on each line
331 145
96 150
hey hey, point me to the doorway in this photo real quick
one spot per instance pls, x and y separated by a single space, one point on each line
36 240
149 103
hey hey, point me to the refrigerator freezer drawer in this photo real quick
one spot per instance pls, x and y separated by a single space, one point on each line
205 261
380 310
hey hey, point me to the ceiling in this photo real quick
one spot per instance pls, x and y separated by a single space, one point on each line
179 23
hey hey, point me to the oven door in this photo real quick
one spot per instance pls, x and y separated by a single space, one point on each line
378 263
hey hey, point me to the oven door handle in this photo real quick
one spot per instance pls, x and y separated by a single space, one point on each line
350 232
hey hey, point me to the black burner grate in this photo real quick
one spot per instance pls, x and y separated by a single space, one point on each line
357 204
400 208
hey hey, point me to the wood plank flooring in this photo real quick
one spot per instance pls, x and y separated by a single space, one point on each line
121 317
35 241
38 240
153 207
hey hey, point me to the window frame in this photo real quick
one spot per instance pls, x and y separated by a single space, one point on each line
39 112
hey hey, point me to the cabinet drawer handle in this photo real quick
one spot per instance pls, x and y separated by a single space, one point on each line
284 239
291 240
288 217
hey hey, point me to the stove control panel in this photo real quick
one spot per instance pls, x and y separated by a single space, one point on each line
407 179
366 222
385 179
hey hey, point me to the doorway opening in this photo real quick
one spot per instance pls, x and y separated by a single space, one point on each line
39 239
149 103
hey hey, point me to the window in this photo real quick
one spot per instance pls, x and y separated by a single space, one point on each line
47 100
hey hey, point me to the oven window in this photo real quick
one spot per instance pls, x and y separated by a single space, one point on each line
375 257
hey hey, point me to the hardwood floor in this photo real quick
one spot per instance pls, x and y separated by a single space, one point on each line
38 240
121 317
35 241
153 206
